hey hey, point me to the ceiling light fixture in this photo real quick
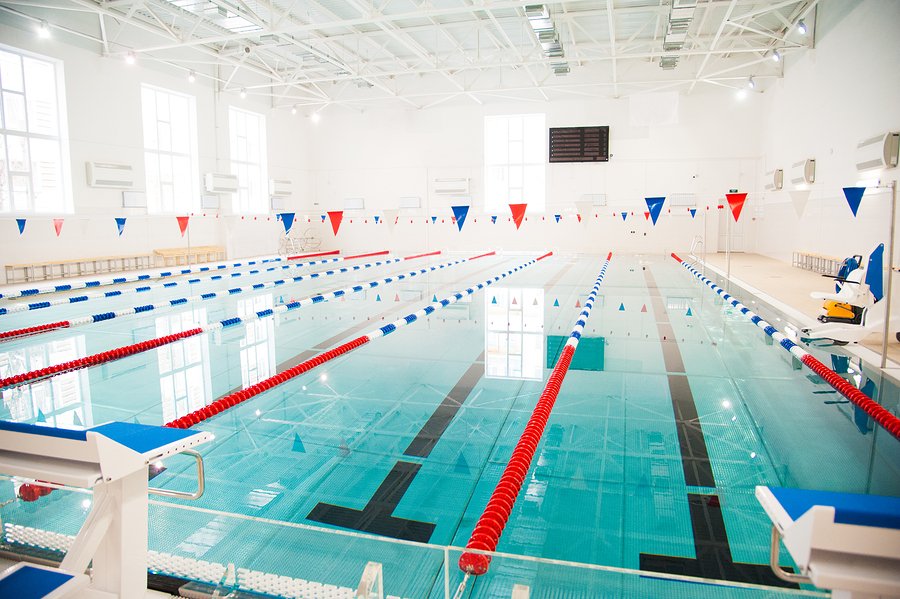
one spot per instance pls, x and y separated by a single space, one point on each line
801 27
294 109
191 77
741 93
751 84
130 57
776 55
315 117
43 30
243 93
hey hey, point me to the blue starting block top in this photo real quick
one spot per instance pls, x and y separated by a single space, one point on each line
26 581
849 508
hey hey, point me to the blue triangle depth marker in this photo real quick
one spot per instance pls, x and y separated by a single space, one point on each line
298 444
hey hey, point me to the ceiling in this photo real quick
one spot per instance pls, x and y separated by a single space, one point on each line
309 54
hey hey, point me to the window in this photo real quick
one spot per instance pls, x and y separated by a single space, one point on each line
248 161
514 159
184 379
34 171
170 150
258 344
514 333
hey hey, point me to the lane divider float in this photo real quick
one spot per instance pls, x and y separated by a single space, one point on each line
142 346
180 301
876 411
157 275
238 397
169 284
490 525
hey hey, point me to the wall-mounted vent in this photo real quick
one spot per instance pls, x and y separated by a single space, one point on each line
109 174
220 183
458 186
803 172
579 144
279 187
409 202
878 152
775 180
595 199
354 203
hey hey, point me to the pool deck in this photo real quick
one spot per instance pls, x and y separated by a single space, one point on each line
791 286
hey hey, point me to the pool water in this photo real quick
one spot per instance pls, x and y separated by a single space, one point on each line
675 408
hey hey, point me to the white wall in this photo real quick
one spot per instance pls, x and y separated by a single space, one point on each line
103 108
844 91
831 97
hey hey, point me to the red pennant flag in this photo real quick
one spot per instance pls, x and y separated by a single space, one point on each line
518 213
57 224
335 217
182 223
736 201
646 216
578 216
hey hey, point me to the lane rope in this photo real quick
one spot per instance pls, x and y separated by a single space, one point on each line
170 284
490 525
33 491
233 399
142 346
876 411
157 275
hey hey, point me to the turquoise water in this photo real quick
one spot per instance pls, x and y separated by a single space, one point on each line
625 476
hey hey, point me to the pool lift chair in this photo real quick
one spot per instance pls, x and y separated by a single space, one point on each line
113 460
846 542
848 314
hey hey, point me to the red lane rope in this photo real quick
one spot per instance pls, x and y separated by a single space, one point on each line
228 401
490 525
879 414
40 328
316 255
437 253
95 359
369 255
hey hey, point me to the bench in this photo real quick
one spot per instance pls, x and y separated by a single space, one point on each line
846 542
826 265
75 267
189 255
113 460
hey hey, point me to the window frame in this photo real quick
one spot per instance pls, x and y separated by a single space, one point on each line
66 204
242 201
155 203
535 205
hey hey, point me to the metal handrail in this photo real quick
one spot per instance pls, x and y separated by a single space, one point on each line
776 567
201 481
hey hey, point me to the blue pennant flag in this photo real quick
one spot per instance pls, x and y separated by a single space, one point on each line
287 219
693 212
494 220
324 216
654 205
460 212
377 218
557 217
21 224
624 215
875 272
433 219
120 224
854 197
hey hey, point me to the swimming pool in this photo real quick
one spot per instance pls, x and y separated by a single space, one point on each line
673 410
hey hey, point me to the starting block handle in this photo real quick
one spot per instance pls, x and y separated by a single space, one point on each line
201 481
776 567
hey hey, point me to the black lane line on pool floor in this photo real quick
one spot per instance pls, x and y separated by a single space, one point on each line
377 517
711 544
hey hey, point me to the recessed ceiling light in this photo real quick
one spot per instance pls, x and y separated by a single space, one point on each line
43 30
293 110
130 58
243 93
315 117
192 77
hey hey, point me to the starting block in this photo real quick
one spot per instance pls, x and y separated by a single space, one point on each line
111 459
846 542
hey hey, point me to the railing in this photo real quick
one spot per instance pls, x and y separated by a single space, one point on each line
202 545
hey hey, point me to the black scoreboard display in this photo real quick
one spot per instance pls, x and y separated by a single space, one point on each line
579 144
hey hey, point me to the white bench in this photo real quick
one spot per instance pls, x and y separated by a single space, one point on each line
846 542
112 459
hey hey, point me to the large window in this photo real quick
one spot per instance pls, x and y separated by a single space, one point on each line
248 161
514 159
34 175
170 150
